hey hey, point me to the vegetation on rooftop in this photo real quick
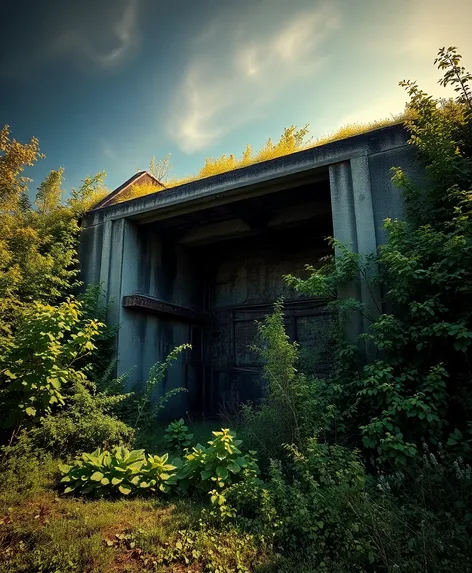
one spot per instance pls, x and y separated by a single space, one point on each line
292 139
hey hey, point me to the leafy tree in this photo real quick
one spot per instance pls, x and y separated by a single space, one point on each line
14 157
38 243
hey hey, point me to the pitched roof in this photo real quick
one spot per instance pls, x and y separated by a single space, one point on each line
134 180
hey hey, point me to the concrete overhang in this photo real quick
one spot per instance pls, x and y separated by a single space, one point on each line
305 166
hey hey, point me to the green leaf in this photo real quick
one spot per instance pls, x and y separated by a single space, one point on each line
234 467
30 411
222 472
125 489
205 474
96 476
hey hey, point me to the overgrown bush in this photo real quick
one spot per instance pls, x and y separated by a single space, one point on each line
215 467
120 471
295 406
41 360
210 469
45 388
177 436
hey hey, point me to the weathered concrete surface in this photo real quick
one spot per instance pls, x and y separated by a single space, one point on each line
221 245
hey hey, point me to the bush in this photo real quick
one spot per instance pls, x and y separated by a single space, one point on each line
177 436
218 465
45 387
416 384
121 471
41 360
76 430
295 406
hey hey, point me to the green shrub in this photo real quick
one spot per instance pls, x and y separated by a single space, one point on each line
77 429
218 465
295 406
41 361
177 436
157 474
25 471
120 471
419 343
214 468
104 472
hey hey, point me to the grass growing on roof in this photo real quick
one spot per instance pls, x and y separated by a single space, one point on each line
292 140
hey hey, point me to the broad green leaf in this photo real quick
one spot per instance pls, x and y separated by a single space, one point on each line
234 467
222 472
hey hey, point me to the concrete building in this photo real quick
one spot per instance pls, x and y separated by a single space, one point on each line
201 262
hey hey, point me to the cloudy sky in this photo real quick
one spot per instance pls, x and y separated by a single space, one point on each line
106 84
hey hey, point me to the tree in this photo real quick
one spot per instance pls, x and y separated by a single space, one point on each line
38 243
14 157
160 168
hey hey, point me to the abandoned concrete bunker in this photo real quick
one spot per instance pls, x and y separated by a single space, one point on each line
202 262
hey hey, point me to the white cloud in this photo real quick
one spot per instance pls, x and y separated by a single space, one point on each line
225 87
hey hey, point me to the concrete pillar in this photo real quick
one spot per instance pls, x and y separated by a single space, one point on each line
105 258
124 281
354 227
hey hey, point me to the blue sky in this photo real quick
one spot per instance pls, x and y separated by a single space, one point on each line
107 84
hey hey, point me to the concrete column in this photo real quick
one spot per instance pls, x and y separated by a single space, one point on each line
105 258
354 227
124 281
342 204
366 233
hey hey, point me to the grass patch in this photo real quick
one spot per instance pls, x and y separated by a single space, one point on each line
42 530
46 532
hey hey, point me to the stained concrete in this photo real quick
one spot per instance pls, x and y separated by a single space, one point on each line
221 245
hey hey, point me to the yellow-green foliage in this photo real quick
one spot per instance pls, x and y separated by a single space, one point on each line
291 140
136 191
38 242
352 129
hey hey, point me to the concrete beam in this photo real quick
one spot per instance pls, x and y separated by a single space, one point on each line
259 178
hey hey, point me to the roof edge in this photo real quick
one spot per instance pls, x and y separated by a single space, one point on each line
131 181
